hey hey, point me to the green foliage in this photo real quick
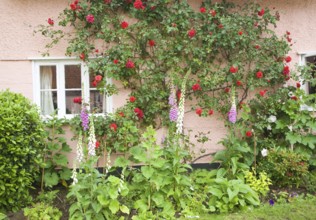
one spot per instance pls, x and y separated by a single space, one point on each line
42 211
161 187
3 216
21 147
259 183
285 167
310 182
56 163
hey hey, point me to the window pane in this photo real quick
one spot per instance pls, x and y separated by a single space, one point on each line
72 76
71 107
312 61
48 93
97 101
48 102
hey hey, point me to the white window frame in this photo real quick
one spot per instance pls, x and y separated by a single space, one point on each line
302 62
60 83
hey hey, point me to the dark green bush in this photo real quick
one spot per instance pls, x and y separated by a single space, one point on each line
21 144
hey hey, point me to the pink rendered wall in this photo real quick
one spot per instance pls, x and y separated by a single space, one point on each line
18 44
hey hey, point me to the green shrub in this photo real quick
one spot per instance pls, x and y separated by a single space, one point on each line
286 168
42 211
21 140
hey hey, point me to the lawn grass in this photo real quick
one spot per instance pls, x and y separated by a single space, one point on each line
298 209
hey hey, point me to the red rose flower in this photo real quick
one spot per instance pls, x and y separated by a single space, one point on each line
233 69
82 56
213 12
196 87
115 61
259 74
294 98
191 33
202 10
132 99
97 144
94 83
130 64
124 24
298 85
96 50
121 114
138 4
288 59
239 83
77 100
240 33
113 126
139 113
107 1
257 46
227 90
50 21
178 94
220 26
262 92
210 112
151 43
288 33
261 12
98 78
198 111
286 71
73 6
90 18
248 133
289 39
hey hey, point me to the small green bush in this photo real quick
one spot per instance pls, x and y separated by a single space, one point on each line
42 211
21 144
286 168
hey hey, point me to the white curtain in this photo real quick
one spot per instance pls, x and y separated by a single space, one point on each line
46 77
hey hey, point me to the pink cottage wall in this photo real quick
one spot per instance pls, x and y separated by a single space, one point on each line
18 45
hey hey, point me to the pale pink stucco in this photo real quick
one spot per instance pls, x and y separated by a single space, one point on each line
18 44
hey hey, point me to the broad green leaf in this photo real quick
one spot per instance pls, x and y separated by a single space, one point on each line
51 179
216 192
114 206
121 162
124 209
147 171
60 160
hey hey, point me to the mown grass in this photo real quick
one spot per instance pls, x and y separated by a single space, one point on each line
297 209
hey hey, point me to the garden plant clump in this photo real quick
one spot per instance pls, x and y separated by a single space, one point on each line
165 53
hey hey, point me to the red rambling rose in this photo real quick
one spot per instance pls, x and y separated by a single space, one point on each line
196 87
77 100
139 113
288 33
211 112
198 111
124 24
294 98
191 33
248 133
121 114
96 50
220 26
107 1
130 64
239 83
115 61
298 85
202 10
288 59
257 46
138 4
113 126
50 21
82 56
286 71
132 99
90 18
233 69
240 33
97 144
73 6
261 13
227 90
259 74
94 83
98 78
262 92
213 13
151 43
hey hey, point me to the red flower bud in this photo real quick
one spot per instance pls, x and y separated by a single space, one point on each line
248 133
124 24
113 126
261 12
259 74
50 21
132 99
198 111
98 78
202 10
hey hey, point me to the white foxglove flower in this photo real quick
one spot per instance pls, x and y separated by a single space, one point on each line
74 175
272 119
290 127
269 127
79 149
92 140
264 152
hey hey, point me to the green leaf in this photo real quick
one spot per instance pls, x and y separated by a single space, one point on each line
103 200
51 179
114 206
293 138
121 162
60 160
65 173
216 192
124 209
147 171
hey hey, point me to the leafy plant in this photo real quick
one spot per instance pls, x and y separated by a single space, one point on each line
21 146
259 183
42 211
56 162
285 167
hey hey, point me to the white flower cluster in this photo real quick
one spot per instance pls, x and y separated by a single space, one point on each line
74 175
264 152
79 149
92 140
181 105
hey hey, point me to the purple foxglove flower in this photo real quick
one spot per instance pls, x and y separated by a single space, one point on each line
84 119
232 114
173 114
